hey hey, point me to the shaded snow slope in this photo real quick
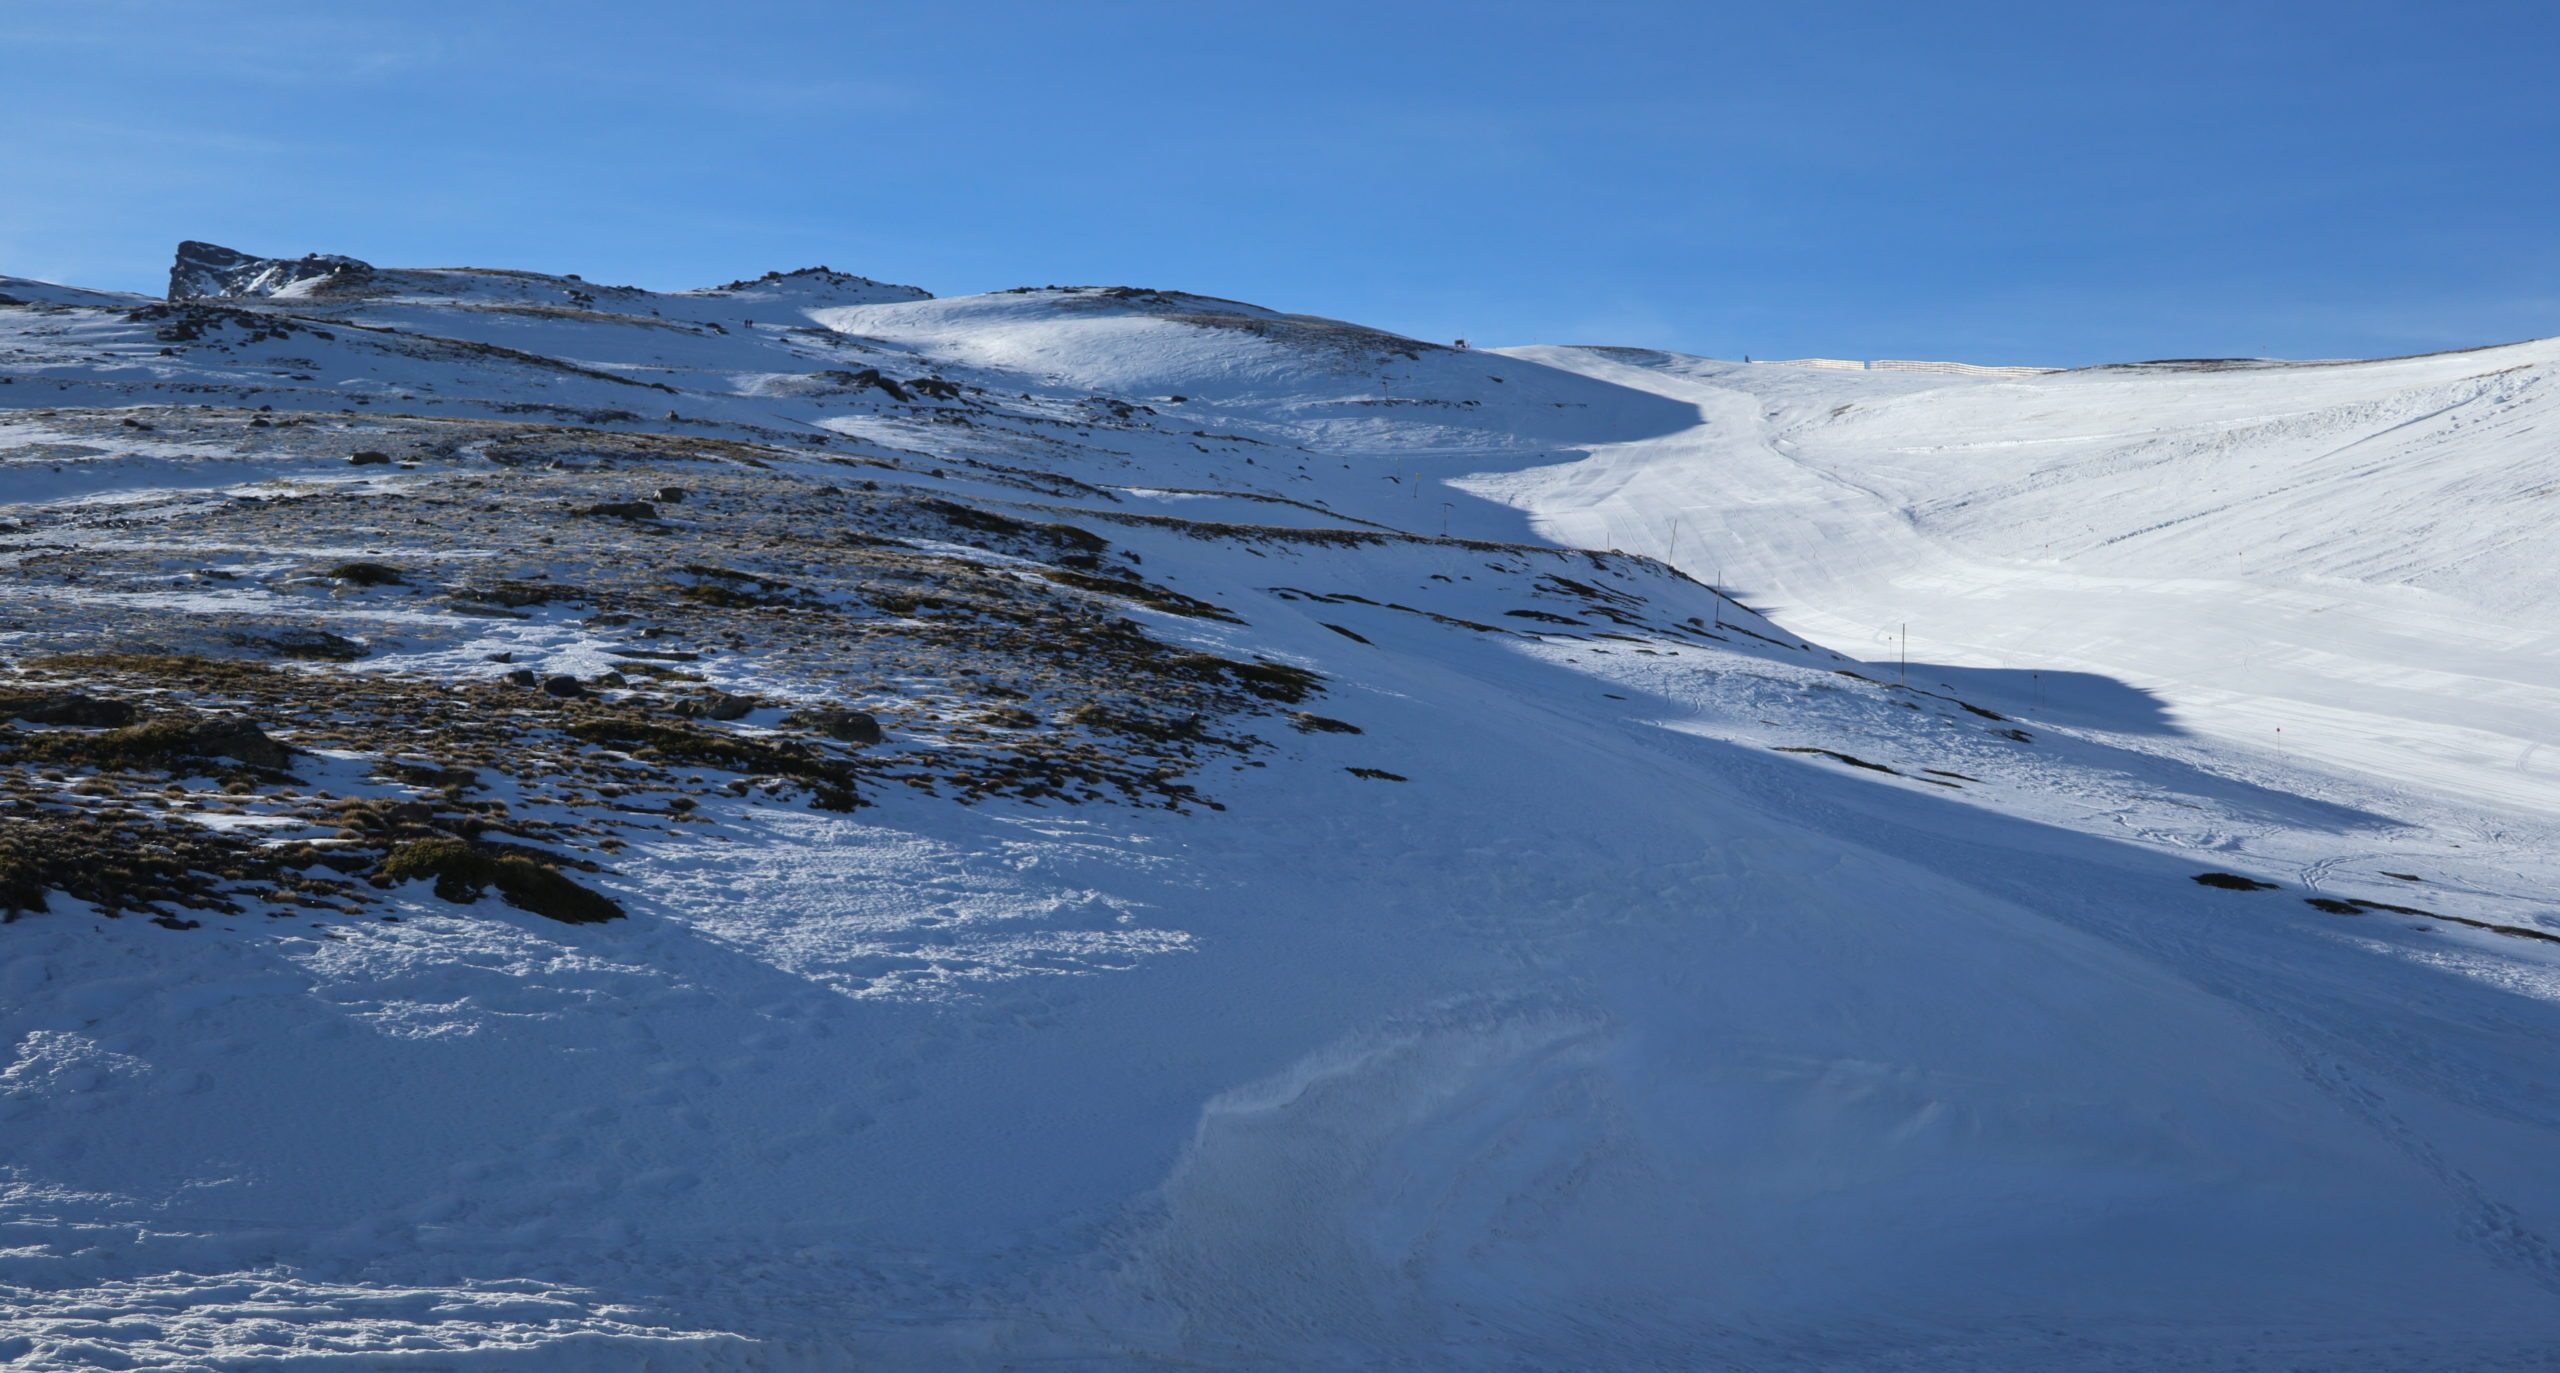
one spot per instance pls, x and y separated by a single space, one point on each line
1307 903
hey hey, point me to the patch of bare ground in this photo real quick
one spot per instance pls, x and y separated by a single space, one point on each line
310 679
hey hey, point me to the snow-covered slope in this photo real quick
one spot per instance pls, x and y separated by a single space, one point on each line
2363 556
1291 897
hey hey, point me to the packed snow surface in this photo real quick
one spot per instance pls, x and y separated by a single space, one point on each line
1622 973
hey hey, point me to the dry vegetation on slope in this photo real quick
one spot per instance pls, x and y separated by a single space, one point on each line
905 639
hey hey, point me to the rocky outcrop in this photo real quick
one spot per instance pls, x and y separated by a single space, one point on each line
818 285
230 736
207 270
837 722
67 708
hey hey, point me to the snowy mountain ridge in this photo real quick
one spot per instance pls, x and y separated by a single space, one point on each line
802 824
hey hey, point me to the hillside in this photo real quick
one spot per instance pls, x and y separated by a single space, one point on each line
2358 554
805 825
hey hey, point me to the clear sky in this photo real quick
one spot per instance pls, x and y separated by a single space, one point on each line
2056 183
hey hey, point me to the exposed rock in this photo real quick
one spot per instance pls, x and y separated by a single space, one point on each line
234 737
722 706
871 376
428 774
67 708
621 510
316 645
209 270
563 685
822 283
837 722
367 574
462 871
168 742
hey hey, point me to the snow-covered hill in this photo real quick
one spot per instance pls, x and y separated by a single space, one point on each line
1101 827
2360 555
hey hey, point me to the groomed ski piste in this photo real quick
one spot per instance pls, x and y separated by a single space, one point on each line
1373 855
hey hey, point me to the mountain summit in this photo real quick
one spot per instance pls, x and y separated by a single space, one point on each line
209 270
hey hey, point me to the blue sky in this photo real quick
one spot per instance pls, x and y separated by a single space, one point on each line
2054 183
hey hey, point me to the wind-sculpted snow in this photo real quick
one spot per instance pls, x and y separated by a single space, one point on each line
802 825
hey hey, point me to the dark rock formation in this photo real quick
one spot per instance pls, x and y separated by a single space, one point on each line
836 722
67 708
209 270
